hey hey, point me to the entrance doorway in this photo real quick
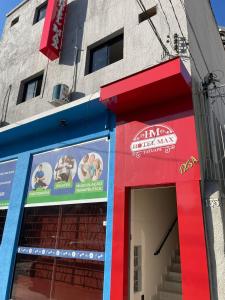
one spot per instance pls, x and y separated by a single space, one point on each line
59 255
155 272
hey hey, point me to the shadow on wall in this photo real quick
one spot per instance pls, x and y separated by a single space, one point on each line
211 191
72 41
73 32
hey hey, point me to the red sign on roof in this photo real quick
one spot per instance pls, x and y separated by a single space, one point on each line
51 40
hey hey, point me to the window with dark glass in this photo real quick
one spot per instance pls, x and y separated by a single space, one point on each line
105 53
222 34
40 12
14 21
45 276
30 88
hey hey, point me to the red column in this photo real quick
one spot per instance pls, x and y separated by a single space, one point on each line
120 247
119 283
194 267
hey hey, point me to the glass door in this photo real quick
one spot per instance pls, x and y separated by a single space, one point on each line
61 253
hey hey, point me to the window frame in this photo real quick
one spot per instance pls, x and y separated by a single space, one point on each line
107 42
137 275
14 21
37 12
38 77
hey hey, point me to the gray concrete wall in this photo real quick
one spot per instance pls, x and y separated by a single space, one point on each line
87 22
208 56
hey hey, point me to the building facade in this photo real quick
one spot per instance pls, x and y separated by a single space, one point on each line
105 191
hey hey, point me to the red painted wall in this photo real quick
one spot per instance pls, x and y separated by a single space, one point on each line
195 281
160 167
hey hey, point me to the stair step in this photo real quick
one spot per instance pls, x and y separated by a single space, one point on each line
155 297
175 267
173 276
173 286
167 295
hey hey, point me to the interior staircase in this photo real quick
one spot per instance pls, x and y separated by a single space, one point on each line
170 287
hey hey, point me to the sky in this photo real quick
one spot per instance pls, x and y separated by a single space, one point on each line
7 5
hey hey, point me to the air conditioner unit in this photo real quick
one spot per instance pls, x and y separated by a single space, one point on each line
60 94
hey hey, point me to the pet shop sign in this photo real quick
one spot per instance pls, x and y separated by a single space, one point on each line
155 138
76 173
52 34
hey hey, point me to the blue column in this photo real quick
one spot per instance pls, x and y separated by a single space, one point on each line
110 206
12 225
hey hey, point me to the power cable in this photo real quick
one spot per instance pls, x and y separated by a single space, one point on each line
174 12
168 24
165 49
193 30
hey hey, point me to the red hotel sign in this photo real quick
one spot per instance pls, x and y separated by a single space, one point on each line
51 40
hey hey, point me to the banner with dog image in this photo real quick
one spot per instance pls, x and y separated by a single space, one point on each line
76 173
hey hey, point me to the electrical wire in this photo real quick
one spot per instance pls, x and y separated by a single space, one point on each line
174 12
193 30
181 31
168 24
165 49
217 131
205 91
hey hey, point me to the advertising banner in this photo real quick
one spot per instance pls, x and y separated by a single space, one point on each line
77 173
7 171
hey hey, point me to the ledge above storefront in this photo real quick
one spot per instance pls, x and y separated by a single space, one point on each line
162 83
84 117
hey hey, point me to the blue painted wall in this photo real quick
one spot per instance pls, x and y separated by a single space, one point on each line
85 119
84 122
12 226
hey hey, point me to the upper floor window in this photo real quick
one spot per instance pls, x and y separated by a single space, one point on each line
30 88
105 53
14 21
40 12
222 34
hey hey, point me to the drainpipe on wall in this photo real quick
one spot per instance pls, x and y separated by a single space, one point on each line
5 106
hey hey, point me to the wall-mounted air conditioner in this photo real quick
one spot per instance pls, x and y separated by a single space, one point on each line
60 94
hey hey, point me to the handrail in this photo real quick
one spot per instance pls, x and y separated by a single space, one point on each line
165 237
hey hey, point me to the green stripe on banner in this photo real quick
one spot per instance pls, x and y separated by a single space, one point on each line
4 203
72 197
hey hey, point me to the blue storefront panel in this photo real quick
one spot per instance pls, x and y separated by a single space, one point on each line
63 170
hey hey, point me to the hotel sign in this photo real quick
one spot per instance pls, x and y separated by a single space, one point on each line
52 35
156 138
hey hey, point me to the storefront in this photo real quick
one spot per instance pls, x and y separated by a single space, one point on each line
57 186
71 229
157 178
